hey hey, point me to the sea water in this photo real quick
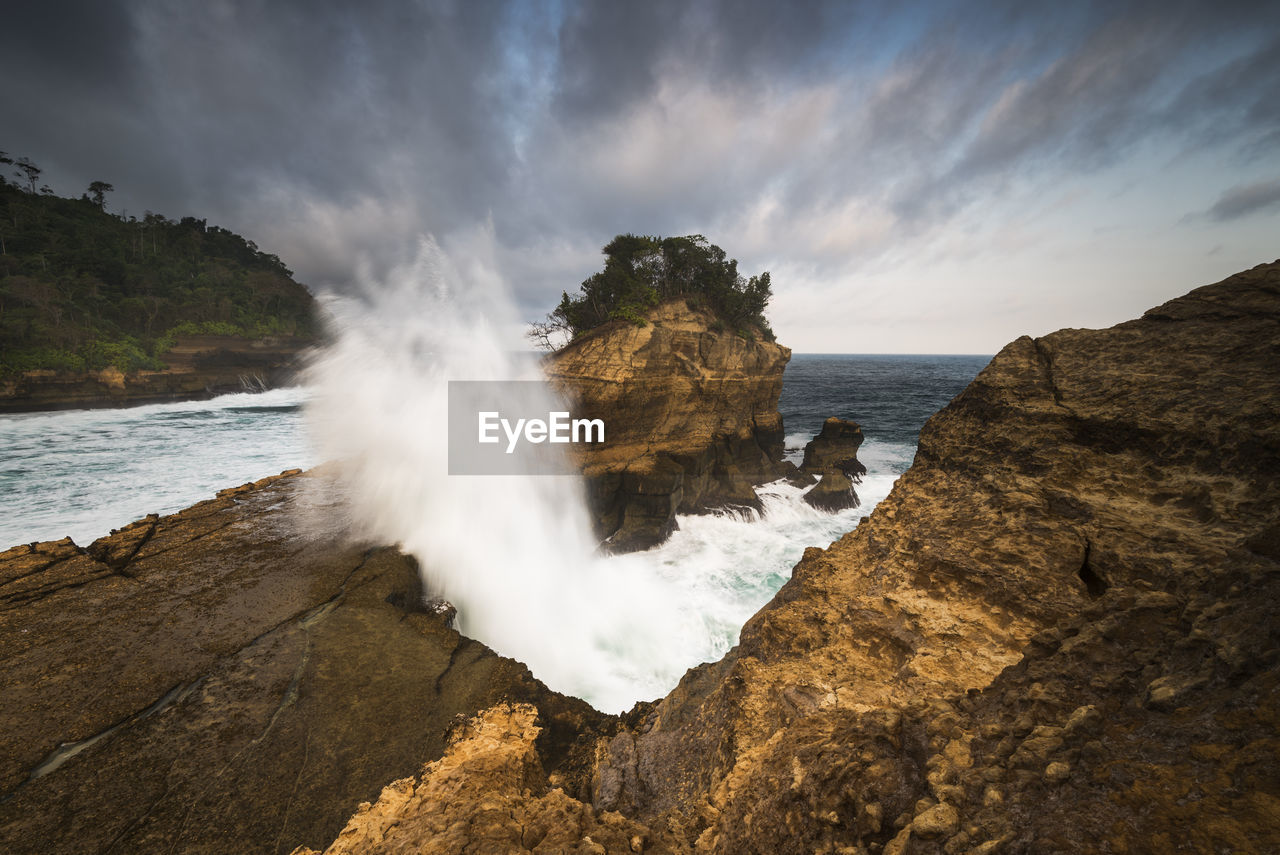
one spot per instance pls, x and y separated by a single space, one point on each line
82 473
732 564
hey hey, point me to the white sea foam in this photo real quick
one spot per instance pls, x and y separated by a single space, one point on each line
82 473
793 446
513 553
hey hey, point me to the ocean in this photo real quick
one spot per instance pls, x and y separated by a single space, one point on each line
82 473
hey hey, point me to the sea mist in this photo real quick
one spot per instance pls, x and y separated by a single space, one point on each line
514 554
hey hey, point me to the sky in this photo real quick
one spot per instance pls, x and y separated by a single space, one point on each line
926 177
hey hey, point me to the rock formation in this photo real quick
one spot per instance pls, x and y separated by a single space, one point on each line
1059 633
833 454
691 417
833 492
491 760
223 680
199 366
835 445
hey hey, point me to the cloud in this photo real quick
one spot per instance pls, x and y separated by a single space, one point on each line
1245 199
834 138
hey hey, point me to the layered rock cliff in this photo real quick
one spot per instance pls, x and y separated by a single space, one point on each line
1059 633
691 415
198 367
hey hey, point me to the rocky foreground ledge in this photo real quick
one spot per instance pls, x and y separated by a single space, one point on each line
226 680
1060 633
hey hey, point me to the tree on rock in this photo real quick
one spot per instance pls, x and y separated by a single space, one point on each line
642 271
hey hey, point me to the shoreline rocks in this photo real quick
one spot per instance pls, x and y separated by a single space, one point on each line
1059 633
225 679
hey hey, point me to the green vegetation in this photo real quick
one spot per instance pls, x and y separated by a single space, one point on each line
82 289
640 272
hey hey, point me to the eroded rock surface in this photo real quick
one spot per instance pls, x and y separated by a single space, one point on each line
222 680
488 793
1059 633
834 492
691 414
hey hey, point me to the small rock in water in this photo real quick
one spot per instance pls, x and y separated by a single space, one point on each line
833 493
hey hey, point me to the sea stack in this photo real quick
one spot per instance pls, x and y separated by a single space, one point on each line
833 455
691 410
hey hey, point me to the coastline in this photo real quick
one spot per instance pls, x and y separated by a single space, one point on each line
199 368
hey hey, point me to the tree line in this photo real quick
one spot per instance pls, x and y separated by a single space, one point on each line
82 288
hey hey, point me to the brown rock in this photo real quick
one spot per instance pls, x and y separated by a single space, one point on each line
219 680
487 793
691 417
835 445
938 821
833 493
1088 519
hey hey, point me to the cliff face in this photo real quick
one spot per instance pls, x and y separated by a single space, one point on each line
199 366
1059 633
691 417
223 680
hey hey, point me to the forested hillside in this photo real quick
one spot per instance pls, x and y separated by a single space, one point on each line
83 289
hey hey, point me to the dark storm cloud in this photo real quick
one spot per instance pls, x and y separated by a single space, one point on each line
203 108
1246 199
329 96
828 130
57 42
68 79
611 54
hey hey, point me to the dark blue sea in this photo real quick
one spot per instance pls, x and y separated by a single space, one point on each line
891 396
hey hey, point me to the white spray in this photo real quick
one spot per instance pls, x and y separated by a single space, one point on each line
513 554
